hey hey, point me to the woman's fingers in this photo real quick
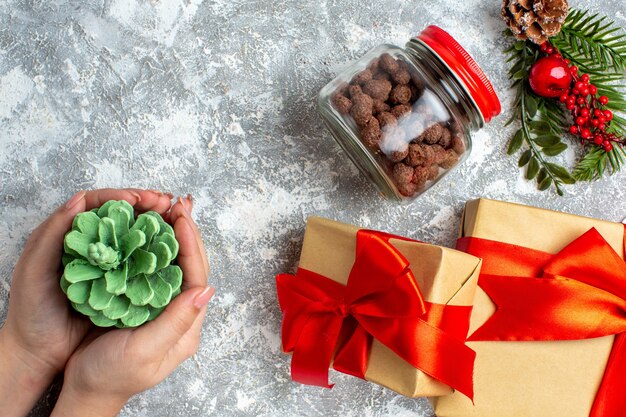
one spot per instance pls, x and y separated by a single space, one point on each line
182 209
96 198
188 204
154 201
143 200
186 312
162 333
191 258
187 345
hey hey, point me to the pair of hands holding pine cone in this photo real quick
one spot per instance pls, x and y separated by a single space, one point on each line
102 368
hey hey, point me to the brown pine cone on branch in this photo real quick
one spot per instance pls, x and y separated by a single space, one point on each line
536 20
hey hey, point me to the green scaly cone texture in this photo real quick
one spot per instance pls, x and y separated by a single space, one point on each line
117 269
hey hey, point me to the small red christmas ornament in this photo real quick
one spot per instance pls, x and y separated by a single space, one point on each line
550 77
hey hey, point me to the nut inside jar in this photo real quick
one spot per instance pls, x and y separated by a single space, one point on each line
401 121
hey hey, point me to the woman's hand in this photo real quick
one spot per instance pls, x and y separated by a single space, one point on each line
110 366
41 330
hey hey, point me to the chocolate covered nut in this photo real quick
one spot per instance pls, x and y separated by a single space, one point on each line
362 98
450 158
342 103
400 110
370 135
400 94
425 173
372 122
361 111
401 76
380 106
420 175
402 173
439 154
432 134
397 156
386 119
419 154
377 89
388 63
354 90
458 145
433 172
381 75
362 77
407 189
446 137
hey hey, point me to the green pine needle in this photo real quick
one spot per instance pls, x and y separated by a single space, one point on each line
594 164
594 43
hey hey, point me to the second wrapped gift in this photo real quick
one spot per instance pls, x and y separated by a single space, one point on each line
548 324
381 307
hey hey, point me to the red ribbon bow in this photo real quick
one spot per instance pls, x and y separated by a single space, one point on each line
381 300
579 293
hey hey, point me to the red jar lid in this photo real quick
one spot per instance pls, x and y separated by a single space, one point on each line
464 66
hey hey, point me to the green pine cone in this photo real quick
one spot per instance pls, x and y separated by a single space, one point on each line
118 269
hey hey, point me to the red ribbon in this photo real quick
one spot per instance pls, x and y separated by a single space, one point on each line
579 293
323 319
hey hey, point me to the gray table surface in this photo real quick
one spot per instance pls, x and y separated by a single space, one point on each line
217 98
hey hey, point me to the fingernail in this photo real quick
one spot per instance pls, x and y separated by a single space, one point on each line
180 201
136 195
189 199
76 198
157 192
169 195
204 297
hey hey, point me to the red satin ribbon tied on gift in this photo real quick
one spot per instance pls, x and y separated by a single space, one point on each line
579 293
326 322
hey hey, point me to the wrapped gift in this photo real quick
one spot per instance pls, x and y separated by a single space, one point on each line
384 308
549 347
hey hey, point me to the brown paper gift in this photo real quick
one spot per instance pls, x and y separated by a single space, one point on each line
527 379
444 276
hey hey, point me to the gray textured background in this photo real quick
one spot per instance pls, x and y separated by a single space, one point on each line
216 98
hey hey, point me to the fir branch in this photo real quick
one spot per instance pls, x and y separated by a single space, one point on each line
595 44
595 163
598 46
542 123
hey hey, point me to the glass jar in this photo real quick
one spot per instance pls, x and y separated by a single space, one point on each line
404 115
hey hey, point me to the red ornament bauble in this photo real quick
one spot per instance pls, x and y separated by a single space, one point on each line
550 77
